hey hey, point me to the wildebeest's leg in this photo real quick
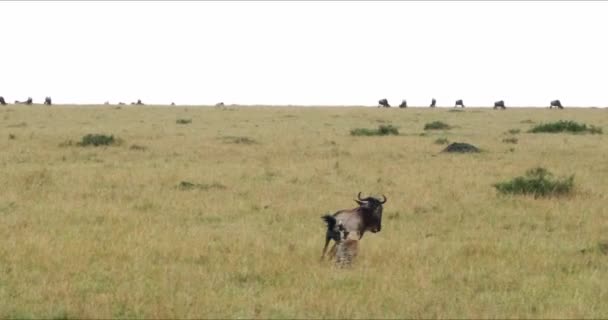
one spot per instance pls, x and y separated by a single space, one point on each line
325 247
332 251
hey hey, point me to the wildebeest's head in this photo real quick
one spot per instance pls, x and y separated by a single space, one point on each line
373 208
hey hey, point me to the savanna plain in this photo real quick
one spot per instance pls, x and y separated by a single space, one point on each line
204 212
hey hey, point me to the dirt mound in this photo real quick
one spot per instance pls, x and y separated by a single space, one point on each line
461 148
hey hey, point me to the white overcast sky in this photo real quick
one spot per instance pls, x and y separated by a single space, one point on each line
306 52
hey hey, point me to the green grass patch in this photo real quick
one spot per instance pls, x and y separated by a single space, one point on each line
97 140
538 182
437 125
183 121
565 126
383 130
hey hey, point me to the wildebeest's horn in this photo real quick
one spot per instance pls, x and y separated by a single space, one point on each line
359 196
383 200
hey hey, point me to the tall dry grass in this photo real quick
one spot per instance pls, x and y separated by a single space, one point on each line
108 232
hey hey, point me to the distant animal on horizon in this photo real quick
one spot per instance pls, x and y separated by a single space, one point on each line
433 103
499 105
366 217
403 104
139 103
219 104
47 101
172 103
557 104
2 102
459 103
28 102
383 103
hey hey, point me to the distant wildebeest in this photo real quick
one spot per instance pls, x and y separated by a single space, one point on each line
106 103
47 101
2 102
433 103
172 103
139 103
219 104
121 103
383 103
29 101
366 217
403 104
459 103
499 104
557 104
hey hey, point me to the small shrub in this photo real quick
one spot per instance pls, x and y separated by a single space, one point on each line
97 140
11 136
186 185
538 182
514 131
383 130
442 141
437 125
183 121
455 110
565 126
510 140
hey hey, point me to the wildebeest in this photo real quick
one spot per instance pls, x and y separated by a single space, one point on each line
433 103
557 104
366 217
47 101
403 104
219 104
2 102
29 101
459 103
499 104
172 103
383 103
139 103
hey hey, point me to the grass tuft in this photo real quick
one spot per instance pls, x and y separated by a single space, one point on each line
239 140
97 140
437 125
186 185
383 130
183 121
538 182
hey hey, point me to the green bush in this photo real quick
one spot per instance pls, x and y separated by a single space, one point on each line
514 131
383 130
538 182
510 140
97 140
183 121
436 125
566 126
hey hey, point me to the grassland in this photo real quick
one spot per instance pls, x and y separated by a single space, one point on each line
113 232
